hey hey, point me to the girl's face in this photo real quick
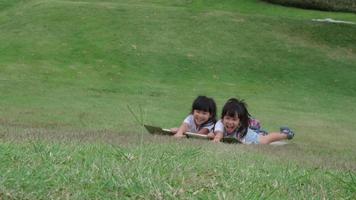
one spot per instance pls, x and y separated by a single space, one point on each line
231 123
200 117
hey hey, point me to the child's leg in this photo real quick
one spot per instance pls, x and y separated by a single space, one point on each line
271 137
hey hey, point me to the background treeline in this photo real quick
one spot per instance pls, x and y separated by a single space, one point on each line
328 5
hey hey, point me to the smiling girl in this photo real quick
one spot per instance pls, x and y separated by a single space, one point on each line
201 119
234 123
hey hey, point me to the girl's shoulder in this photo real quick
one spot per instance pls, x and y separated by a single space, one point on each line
219 121
189 119
219 126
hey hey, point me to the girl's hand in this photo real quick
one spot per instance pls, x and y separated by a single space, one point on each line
218 136
211 135
174 130
181 130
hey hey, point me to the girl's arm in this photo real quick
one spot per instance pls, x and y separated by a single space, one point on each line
211 135
174 130
181 130
204 131
218 136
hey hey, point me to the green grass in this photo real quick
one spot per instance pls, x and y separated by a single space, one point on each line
70 69
161 169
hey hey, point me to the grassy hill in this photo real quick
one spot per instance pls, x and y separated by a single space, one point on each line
70 69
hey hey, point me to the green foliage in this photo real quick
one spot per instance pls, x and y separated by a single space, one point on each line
329 5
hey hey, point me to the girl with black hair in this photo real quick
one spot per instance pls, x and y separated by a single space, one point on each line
234 123
201 118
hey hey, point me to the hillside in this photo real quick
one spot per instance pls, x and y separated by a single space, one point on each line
70 69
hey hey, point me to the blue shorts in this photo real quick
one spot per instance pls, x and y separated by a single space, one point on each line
251 137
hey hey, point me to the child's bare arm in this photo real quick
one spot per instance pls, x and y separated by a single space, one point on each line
181 130
174 130
218 136
204 131
211 135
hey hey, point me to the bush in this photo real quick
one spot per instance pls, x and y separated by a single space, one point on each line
328 5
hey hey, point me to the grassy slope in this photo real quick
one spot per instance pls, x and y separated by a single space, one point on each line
76 65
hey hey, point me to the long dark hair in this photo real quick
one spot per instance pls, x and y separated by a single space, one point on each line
237 108
205 104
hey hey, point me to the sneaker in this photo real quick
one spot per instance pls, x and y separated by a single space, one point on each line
288 132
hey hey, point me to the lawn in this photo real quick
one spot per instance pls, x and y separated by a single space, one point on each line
70 70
